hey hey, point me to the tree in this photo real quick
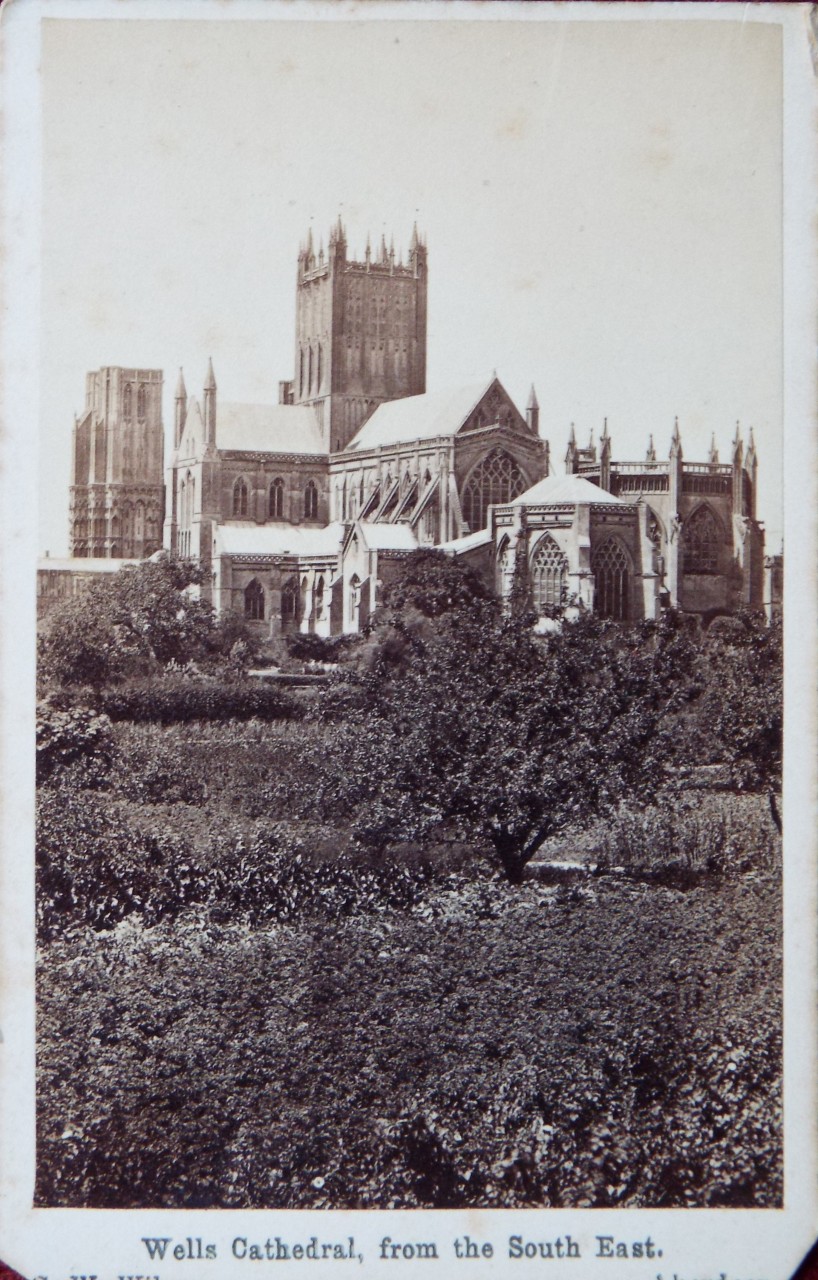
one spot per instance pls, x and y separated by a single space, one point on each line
743 703
128 622
505 737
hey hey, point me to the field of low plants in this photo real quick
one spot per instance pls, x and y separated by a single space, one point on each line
312 947
239 1008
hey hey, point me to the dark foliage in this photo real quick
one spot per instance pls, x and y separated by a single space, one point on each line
68 736
618 1047
313 648
177 700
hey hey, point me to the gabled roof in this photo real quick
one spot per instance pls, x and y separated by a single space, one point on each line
268 428
437 413
244 538
561 490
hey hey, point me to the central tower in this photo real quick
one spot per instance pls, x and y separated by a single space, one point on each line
360 332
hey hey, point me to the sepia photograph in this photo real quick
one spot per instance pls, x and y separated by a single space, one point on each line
410 613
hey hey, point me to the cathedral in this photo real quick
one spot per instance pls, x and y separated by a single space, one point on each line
301 510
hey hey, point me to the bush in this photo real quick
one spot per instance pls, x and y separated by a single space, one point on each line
65 736
176 700
312 648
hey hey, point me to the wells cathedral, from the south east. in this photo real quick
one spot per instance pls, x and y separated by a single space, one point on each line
299 511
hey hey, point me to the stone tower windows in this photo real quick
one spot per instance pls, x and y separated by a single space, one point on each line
141 404
611 568
127 400
311 501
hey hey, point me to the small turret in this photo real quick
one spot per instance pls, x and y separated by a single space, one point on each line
179 409
713 455
676 441
605 458
417 251
210 404
571 453
650 456
368 253
532 412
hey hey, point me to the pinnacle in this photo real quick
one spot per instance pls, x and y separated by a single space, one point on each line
533 402
210 381
181 390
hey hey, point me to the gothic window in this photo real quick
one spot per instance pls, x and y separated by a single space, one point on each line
548 575
127 400
319 598
276 506
301 373
240 497
611 570
289 602
254 601
309 370
701 542
139 522
140 403
310 501
318 378
496 479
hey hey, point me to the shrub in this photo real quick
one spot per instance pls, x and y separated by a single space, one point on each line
65 736
175 699
312 648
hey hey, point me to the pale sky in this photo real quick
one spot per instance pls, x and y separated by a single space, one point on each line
601 201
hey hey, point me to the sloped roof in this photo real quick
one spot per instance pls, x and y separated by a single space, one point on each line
387 537
243 538
566 489
458 546
437 413
268 428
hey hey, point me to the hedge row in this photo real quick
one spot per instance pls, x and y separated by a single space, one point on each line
174 702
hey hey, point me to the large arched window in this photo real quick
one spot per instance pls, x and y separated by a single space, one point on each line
240 497
254 601
310 501
141 400
701 542
611 569
549 578
496 479
276 507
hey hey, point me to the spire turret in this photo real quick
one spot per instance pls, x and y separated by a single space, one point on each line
650 456
210 405
713 455
532 411
179 409
676 440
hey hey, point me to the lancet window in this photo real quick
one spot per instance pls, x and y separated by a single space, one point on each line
701 542
611 569
549 578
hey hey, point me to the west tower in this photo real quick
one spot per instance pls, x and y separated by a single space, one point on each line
117 482
360 332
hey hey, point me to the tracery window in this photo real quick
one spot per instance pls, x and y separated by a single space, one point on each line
240 497
701 542
310 501
276 504
496 479
549 578
611 569
254 601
